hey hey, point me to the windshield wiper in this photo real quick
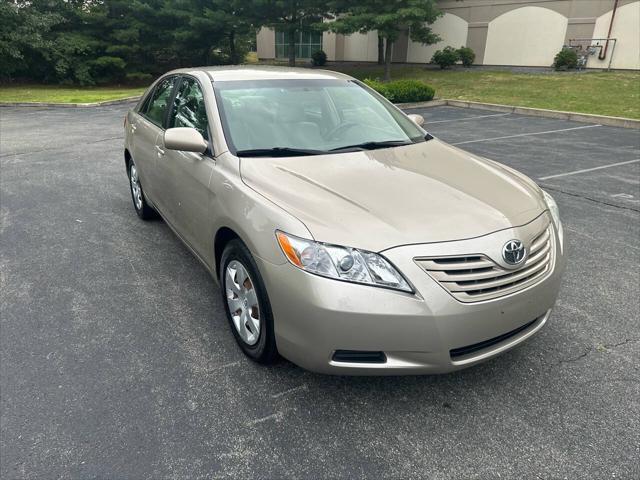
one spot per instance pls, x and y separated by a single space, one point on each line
374 145
278 152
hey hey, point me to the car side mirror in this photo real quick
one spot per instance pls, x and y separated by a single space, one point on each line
417 119
184 139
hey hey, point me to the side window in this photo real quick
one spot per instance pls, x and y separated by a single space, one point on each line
156 108
188 108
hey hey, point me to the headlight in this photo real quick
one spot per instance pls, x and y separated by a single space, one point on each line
555 214
341 263
553 208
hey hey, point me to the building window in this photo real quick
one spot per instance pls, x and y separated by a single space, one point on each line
307 43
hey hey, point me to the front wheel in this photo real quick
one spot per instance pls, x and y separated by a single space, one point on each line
143 209
246 303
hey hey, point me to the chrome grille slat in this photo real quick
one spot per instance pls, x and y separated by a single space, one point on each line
540 241
472 278
480 263
466 286
533 258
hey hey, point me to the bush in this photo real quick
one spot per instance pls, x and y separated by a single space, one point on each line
403 91
565 59
138 78
445 58
379 87
467 56
318 58
107 69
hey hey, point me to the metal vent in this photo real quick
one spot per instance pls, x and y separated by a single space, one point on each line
474 278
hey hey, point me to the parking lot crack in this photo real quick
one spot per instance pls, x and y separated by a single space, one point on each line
55 149
595 200
601 347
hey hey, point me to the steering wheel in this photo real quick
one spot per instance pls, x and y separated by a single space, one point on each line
340 128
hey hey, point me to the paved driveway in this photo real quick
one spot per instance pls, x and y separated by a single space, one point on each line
117 361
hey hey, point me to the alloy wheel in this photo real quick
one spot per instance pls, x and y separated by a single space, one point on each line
135 186
242 300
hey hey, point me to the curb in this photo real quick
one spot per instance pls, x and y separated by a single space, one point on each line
71 105
535 112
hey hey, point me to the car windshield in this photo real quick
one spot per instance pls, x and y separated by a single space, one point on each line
307 117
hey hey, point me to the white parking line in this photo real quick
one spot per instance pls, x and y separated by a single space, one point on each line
590 169
468 118
527 134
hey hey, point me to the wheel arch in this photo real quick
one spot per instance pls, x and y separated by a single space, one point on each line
223 236
127 158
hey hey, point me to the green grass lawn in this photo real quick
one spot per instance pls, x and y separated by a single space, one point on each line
602 93
64 94
615 93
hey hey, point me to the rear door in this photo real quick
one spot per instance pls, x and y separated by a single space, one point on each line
188 173
148 127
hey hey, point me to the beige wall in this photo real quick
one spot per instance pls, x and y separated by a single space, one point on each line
329 45
625 29
453 31
502 32
361 47
266 43
527 36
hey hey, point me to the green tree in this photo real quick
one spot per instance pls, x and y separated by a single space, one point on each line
389 18
24 35
223 28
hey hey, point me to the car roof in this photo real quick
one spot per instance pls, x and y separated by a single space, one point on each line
263 72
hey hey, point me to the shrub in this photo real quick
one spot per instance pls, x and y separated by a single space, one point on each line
467 56
403 91
445 58
138 78
565 59
379 87
318 58
107 69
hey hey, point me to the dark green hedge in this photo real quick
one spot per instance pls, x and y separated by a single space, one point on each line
403 91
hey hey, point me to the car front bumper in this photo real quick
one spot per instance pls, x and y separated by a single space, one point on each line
314 316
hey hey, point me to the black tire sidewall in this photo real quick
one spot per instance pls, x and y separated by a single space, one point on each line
264 350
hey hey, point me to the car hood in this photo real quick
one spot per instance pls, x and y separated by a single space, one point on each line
378 199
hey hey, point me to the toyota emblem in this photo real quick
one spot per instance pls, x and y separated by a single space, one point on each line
514 252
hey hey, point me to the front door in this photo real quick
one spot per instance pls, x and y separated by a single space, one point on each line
188 173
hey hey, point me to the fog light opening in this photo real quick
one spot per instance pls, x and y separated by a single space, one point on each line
359 356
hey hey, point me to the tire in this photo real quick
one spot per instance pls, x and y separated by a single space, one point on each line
143 209
245 299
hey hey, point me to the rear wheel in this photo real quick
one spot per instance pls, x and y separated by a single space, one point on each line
246 303
143 209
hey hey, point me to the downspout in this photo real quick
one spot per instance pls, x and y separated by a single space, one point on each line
603 53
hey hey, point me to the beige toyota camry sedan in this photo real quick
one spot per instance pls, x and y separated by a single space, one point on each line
343 236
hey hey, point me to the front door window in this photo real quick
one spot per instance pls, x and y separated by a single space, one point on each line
188 108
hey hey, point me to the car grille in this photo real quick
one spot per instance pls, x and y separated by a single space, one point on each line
474 278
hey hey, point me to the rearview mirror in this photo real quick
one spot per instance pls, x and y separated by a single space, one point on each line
417 119
184 139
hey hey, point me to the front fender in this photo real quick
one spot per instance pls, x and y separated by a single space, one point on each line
247 213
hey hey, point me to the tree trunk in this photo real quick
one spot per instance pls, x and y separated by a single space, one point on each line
387 60
292 45
380 50
232 48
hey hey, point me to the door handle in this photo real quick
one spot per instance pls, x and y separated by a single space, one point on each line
160 151
133 127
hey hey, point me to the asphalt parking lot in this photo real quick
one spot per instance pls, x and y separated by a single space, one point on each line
117 361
